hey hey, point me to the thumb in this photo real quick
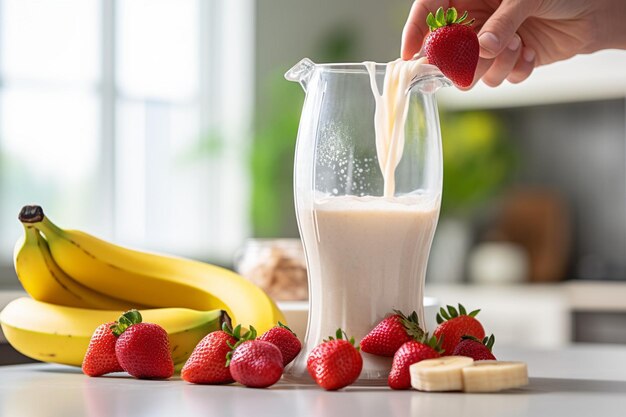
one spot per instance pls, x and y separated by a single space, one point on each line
501 26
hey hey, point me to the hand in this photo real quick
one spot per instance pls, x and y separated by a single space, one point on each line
515 36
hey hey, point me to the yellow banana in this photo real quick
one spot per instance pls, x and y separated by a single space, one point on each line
53 333
44 280
153 279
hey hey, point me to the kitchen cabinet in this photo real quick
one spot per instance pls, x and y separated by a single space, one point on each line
531 316
536 316
544 315
575 381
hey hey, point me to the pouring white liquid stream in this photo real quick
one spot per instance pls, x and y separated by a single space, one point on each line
390 115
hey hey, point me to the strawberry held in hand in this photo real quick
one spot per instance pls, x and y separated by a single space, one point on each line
455 324
100 358
207 363
475 348
255 363
452 45
409 353
336 363
285 340
391 333
142 349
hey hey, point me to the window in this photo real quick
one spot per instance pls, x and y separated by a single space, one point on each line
128 119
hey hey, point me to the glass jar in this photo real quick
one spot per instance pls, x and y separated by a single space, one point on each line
275 265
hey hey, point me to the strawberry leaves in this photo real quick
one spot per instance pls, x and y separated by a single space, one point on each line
125 321
432 342
411 324
236 333
449 17
342 335
488 341
452 312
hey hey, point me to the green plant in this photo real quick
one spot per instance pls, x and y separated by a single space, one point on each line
271 160
273 148
478 159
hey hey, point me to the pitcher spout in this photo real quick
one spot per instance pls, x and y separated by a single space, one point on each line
301 72
429 80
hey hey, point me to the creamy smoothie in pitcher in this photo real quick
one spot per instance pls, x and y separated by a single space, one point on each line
372 256
367 255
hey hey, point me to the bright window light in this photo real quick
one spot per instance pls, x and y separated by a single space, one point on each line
109 113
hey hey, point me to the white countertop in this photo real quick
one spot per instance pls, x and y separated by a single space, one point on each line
578 381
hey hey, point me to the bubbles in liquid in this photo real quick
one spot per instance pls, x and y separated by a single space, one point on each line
341 167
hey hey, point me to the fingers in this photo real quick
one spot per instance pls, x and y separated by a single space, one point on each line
499 30
524 66
513 65
504 63
416 29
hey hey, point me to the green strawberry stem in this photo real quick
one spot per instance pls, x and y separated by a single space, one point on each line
488 341
411 324
126 320
452 312
449 17
236 333
433 342
284 326
342 335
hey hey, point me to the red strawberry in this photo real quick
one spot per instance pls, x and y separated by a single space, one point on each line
207 363
335 363
454 324
100 358
285 340
475 348
142 349
256 363
452 45
409 353
391 333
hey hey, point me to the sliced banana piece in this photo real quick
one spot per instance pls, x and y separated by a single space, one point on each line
491 376
440 374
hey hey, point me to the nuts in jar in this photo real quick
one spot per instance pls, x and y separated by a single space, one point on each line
275 265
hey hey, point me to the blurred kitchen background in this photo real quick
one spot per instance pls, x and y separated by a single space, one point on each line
167 125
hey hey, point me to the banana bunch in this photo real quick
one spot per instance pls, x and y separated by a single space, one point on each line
71 275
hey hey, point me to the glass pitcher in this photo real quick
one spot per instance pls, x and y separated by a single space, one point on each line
366 251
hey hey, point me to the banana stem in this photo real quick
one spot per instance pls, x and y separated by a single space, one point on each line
225 318
34 215
30 233
31 214
48 228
